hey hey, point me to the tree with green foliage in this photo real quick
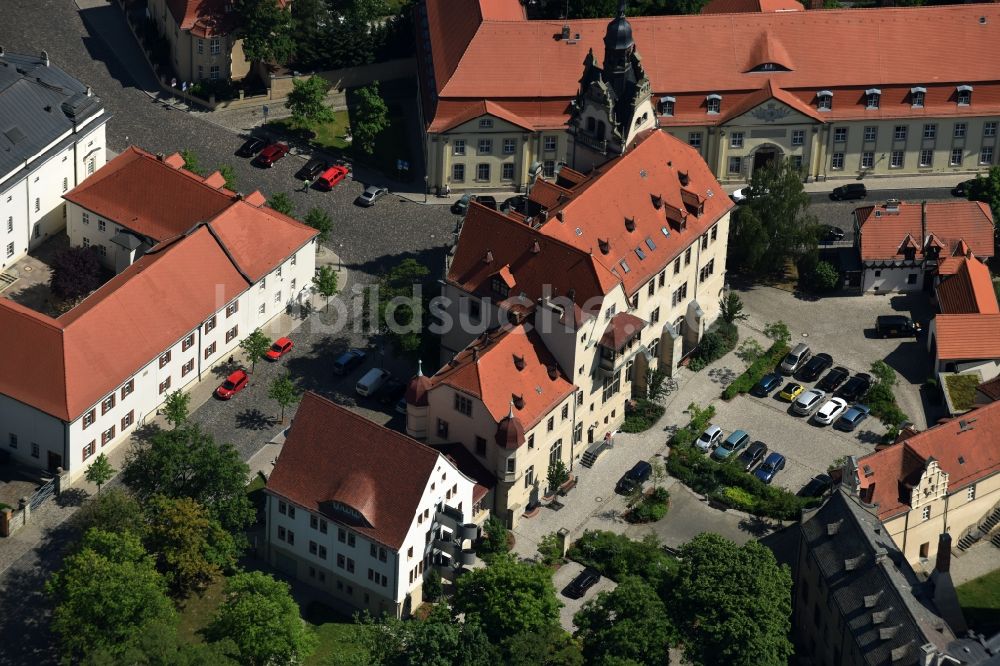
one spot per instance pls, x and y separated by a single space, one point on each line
76 271
307 100
319 219
550 548
507 597
731 604
824 277
437 640
325 282
267 30
401 306
229 173
105 593
883 373
282 203
175 408
774 226
731 308
255 346
658 474
190 546
191 162
778 332
261 618
548 646
628 623
114 511
557 475
494 538
369 117
284 392
158 644
187 462
749 351
432 587
987 189
100 472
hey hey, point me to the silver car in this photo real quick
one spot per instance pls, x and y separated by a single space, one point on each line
371 195
796 358
808 401
710 438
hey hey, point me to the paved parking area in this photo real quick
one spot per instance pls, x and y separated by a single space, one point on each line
561 578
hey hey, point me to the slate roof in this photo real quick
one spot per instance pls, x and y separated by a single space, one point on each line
332 455
885 607
38 104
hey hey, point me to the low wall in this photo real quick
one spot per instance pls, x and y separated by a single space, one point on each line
351 77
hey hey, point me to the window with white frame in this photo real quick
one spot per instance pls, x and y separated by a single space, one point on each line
107 435
926 513
956 157
896 159
960 129
986 155
837 161
899 133
128 420
798 137
930 131
964 95
458 147
108 404
210 324
735 165
277 297
509 145
917 96
213 72
209 350
164 385
970 493
926 157
10 250
483 171
694 139
549 168
65 184
201 46
485 146
10 223
667 106
839 134
990 128
736 140
187 368
232 309
164 359
867 160
458 173
871 134
485 123
549 143
88 449
463 404
127 388
824 100
872 98
215 46
507 171
713 103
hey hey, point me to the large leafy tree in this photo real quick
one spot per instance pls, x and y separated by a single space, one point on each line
176 408
188 463
732 604
437 640
774 226
191 547
306 101
76 271
282 203
106 592
114 511
325 282
157 644
987 189
320 220
267 30
629 622
550 646
261 618
255 346
284 392
398 308
369 116
508 597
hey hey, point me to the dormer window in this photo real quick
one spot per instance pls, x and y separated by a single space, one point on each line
873 96
770 67
667 105
824 100
499 287
713 103
917 94
964 95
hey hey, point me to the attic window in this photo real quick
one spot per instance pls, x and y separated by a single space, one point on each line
639 253
667 105
630 224
868 470
657 201
604 245
917 94
824 100
666 232
650 244
624 266
770 67
485 123
851 563
873 96
964 95
713 103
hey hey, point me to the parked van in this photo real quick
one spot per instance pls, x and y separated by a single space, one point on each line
371 381
895 326
795 358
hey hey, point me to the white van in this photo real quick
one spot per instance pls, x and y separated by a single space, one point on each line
371 382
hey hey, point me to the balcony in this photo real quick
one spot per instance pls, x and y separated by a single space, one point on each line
600 145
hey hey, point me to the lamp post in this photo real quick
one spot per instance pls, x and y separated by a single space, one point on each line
426 180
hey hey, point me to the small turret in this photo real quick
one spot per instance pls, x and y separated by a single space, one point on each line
510 431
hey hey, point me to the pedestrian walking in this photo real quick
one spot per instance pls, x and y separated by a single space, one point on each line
306 184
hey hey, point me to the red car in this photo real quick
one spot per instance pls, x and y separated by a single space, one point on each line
280 347
271 154
234 383
329 178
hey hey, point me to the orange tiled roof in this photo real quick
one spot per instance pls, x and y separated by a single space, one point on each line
465 43
967 336
482 108
742 6
243 230
599 211
966 456
883 234
488 369
153 197
333 455
969 290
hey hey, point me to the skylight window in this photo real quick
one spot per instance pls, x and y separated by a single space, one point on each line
650 244
624 266
639 253
666 232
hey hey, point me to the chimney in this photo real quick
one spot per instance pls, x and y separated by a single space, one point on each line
630 224
519 363
475 354
943 561
90 91
3 52
159 157
571 294
923 222
535 248
553 373
565 31
488 259
45 57
604 244
683 177
559 215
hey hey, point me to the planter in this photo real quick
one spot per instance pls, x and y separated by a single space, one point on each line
568 486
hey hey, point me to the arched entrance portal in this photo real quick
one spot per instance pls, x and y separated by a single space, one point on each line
764 155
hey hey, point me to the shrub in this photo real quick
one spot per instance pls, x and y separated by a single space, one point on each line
653 507
756 371
615 556
643 416
717 341
550 548
494 539
738 498
432 585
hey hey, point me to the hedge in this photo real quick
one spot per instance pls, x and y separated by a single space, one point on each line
643 416
616 555
756 371
718 341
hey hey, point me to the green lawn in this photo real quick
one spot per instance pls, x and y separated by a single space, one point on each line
980 601
962 390
197 611
323 135
338 637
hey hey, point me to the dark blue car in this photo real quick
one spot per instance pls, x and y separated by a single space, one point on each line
767 383
773 464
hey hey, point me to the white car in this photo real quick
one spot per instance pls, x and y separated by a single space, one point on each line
710 438
808 401
830 411
743 195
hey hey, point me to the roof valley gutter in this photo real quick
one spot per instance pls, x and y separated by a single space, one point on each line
208 225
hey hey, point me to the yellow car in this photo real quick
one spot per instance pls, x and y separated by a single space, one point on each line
791 391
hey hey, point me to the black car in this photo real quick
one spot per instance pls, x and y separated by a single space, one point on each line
829 233
251 147
962 189
585 580
634 477
767 383
834 379
856 387
311 169
349 360
753 455
391 391
814 367
849 191
896 326
817 487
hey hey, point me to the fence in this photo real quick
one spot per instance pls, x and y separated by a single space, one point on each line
11 520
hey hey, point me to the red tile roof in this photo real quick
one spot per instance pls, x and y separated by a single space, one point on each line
332 455
243 230
483 108
31 351
622 328
470 466
883 234
205 18
967 336
488 369
969 290
465 42
895 468
149 196
741 6
638 189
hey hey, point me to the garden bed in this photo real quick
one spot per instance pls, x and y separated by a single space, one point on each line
717 341
962 390
763 365
652 508
641 415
